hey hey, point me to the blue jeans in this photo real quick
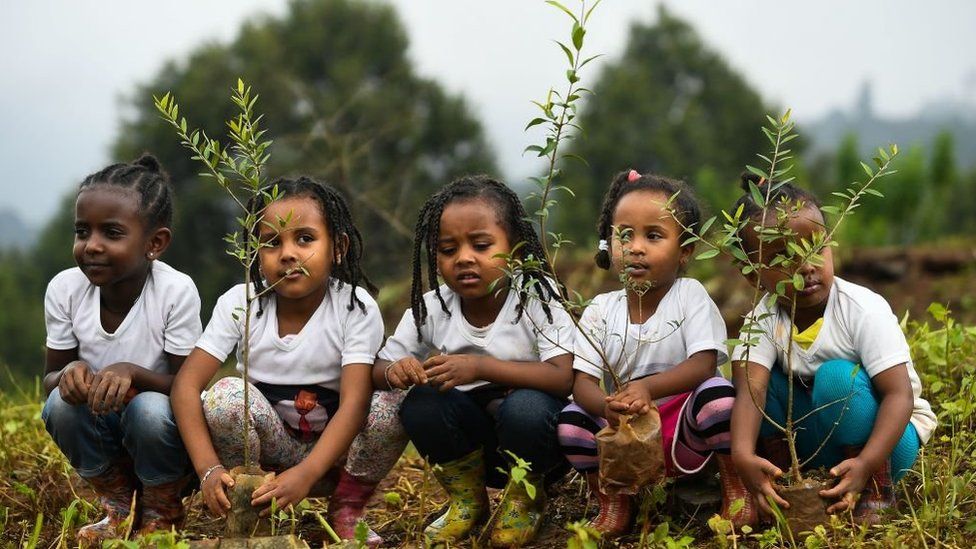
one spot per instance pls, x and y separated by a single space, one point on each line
145 429
446 426
833 382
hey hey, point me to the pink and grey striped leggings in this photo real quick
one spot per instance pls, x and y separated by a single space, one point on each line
703 427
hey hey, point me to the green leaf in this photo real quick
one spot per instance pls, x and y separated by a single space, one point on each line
568 52
867 169
798 281
535 122
578 34
707 254
564 9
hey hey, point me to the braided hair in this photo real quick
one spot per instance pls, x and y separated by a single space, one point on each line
338 221
146 177
780 193
513 219
684 207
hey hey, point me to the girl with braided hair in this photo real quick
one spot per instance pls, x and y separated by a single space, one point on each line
119 325
313 338
487 361
664 338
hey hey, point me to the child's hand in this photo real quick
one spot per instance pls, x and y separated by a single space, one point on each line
447 371
213 492
406 372
108 388
757 475
854 474
288 488
612 417
75 383
633 399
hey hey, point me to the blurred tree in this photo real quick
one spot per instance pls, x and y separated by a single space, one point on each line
22 319
342 102
669 105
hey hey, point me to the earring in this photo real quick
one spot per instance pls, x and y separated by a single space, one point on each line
150 255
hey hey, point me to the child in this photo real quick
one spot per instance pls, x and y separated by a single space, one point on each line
848 351
313 335
503 363
664 338
119 325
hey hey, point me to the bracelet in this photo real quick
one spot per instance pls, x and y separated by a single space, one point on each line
208 472
386 373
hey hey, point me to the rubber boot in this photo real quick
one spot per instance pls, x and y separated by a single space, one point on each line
732 490
616 511
115 488
162 506
347 507
520 515
877 497
464 481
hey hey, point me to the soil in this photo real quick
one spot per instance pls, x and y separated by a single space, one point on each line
242 519
807 509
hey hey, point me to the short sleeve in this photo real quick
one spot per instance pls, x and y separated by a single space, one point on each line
224 331
363 333
552 338
764 351
879 341
183 327
702 327
592 331
404 341
57 316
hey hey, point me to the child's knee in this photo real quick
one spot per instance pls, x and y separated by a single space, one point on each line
836 380
223 403
148 413
529 413
58 414
577 428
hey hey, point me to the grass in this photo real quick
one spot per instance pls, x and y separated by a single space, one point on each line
43 502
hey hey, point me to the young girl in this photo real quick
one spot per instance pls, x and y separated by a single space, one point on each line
119 325
662 335
847 347
313 336
502 368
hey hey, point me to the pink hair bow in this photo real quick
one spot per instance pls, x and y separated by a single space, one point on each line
633 176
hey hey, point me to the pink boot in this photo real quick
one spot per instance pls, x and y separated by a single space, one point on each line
347 507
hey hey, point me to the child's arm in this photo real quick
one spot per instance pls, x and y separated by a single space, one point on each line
756 472
63 370
402 373
894 411
291 486
588 394
638 395
189 382
554 376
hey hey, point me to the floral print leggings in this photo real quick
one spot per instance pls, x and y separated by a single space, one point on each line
373 452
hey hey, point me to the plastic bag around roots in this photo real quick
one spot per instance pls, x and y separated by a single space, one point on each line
631 454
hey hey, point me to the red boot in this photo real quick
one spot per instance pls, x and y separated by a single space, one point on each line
615 510
732 490
115 488
347 507
877 496
162 506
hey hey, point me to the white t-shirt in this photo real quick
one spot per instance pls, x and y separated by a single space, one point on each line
333 337
859 326
531 339
164 319
686 322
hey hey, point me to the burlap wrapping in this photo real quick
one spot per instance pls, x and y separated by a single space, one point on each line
632 454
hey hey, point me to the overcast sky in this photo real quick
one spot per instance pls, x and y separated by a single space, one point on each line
65 63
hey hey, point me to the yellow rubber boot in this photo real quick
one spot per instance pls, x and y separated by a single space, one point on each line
464 481
520 515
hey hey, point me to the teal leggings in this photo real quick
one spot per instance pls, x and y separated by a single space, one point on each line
833 381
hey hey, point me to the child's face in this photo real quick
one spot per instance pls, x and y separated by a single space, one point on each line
112 244
303 241
816 280
470 235
649 249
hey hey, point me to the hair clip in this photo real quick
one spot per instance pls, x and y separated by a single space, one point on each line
633 176
603 246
